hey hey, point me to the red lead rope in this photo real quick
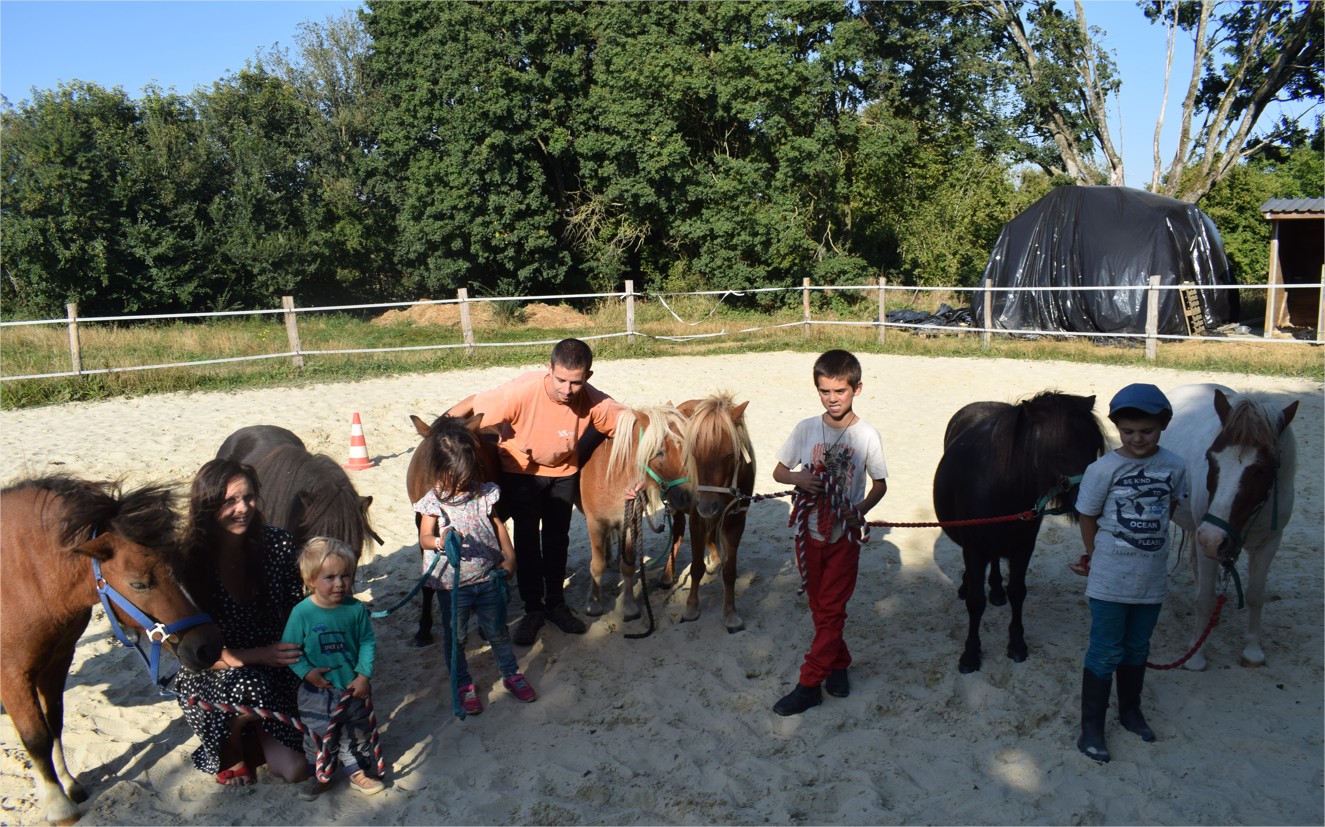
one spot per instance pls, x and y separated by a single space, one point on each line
1214 619
324 766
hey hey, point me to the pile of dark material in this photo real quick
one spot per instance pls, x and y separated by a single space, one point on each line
945 316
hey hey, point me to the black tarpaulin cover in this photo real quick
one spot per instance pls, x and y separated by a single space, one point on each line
1114 237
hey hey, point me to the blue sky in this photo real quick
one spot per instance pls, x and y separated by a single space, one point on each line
189 44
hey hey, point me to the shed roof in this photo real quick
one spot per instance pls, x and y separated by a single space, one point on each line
1294 206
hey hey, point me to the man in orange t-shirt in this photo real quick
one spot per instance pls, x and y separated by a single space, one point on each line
543 415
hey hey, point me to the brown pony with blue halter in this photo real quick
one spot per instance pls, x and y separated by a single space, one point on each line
66 545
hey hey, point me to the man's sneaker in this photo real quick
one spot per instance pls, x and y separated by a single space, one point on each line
469 700
526 631
837 684
564 619
520 688
312 788
798 700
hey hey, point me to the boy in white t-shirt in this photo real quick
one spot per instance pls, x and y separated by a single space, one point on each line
1125 502
837 444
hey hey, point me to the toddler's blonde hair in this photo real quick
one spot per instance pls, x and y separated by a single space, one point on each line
317 550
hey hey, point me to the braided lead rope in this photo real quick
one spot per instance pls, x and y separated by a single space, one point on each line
832 497
324 763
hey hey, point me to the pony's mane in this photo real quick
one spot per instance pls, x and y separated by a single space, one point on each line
710 426
1020 432
333 508
145 515
1249 423
633 448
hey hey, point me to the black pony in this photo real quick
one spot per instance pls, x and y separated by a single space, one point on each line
308 495
999 459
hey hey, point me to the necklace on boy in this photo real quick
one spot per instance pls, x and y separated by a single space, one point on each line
832 454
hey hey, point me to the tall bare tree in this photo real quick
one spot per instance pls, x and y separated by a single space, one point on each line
1247 55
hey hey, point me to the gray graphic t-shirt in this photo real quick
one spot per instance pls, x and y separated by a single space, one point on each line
1133 500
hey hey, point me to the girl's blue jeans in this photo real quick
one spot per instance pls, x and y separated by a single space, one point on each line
1119 635
482 602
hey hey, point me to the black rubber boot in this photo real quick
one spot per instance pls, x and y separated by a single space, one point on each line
1094 707
1130 679
798 700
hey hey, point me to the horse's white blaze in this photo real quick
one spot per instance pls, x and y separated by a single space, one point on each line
1231 462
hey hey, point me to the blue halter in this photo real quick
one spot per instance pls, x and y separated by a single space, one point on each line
156 631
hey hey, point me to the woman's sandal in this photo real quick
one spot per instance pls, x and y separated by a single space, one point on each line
237 776
366 784
1081 566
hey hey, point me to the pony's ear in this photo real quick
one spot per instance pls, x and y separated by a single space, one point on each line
1088 403
474 423
419 425
1287 416
364 502
99 548
669 404
739 410
1222 405
688 407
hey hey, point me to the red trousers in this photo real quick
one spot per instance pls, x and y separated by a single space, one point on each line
830 580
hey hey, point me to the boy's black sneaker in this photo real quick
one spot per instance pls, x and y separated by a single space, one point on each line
837 684
798 700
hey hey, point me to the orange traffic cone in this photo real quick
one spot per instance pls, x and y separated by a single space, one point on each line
358 448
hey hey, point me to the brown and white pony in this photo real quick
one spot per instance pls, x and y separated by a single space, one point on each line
1241 456
720 463
646 450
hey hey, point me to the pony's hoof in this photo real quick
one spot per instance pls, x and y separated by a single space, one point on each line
595 611
76 793
1017 654
689 615
968 665
1251 664
740 627
420 640
629 616
998 598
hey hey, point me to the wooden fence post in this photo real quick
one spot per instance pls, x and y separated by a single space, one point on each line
1152 318
987 338
630 311
292 331
883 292
468 332
805 303
75 349
1320 308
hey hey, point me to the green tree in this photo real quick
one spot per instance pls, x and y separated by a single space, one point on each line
349 226
64 205
259 133
475 151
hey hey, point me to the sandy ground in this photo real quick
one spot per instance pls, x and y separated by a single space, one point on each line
677 728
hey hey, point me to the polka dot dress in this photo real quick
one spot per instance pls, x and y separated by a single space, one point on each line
256 622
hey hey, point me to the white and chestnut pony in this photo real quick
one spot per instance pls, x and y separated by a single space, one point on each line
1241 456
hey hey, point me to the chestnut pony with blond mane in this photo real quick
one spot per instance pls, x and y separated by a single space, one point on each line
720 463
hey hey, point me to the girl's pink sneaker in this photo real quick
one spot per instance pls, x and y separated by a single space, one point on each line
520 688
469 700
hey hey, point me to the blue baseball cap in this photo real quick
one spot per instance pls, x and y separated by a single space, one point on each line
1145 398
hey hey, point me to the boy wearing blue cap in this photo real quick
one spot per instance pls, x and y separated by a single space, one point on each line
1125 502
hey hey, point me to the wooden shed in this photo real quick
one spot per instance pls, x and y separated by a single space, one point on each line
1297 257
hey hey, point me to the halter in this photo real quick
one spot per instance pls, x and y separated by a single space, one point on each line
156 631
665 485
